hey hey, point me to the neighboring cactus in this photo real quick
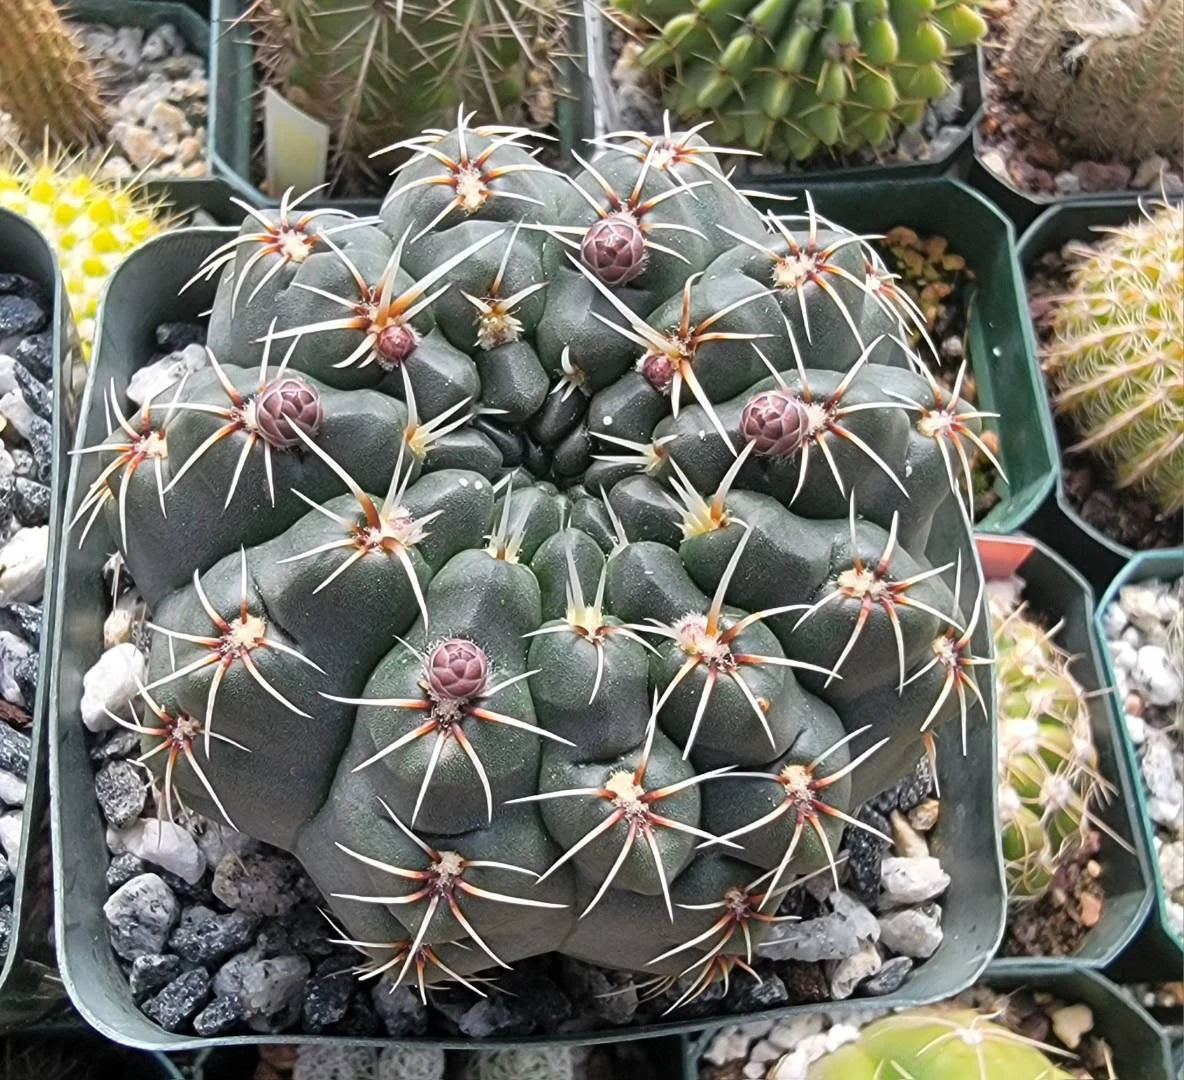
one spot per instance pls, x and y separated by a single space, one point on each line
790 77
91 224
617 727
940 1042
46 83
1107 73
1050 791
1116 360
346 63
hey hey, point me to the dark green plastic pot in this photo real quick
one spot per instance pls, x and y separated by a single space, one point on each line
29 986
667 1056
142 293
104 1059
964 70
1095 554
1001 347
1023 207
1056 593
183 194
233 88
1159 951
1138 1042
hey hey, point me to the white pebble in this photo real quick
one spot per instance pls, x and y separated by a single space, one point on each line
1171 865
162 843
16 411
911 881
1158 674
111 684
12 789
845 975
1071 1022
789 1033
763 1051
22 565
1136 728
840 1035
754 1070
10 837
13 650
1114 621
152 380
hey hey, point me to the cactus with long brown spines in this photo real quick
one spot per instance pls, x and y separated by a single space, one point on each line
572 589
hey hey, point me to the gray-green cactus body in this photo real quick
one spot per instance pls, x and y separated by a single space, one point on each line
560 582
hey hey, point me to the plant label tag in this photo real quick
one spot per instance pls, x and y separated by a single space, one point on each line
1002 556
296 145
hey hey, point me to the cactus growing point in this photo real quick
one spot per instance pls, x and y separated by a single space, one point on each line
587 635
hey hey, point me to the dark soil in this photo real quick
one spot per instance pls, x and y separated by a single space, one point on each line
1021 149
1121 514
1057 923
943 287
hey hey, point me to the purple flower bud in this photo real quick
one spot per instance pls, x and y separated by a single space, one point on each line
288 402
614 249
777 422
395 343
457 670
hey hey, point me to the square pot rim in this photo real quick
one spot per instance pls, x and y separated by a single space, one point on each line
1026 253
162 1040
1139 568
1125 781
38 774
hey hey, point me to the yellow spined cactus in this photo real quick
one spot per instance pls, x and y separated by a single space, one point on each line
92 224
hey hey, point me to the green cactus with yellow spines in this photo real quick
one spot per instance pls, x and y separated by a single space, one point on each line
788 78
481 507
1051 794
1116 358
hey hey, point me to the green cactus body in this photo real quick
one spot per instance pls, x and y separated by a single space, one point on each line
791 77
532 593
936 1044
346 64
1116 361
1050 792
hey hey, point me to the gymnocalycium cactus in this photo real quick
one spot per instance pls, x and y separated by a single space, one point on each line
788 77
1118 353
1050 790
545 563
940 1042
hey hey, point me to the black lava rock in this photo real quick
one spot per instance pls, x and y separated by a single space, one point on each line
40 442
205 937
219 1017
31 501
326 1001
35 352
20 315
5 928
35 393
7 501
22 462
24 620
174 336
399 1009
25 673
121 792
746 995
18 285
179 1001
14 751
888 979
120 743
122 868
865 852
806 982
152 972
917 788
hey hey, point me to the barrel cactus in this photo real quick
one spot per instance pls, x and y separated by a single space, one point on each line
790 77
941 1041
545 565
1051 794
1117 353
345 63
1108 76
